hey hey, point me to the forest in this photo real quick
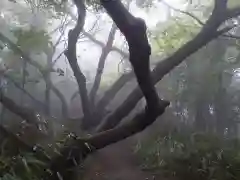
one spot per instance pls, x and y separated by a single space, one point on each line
119 89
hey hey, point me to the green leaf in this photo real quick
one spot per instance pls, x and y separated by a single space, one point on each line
25 164
37 41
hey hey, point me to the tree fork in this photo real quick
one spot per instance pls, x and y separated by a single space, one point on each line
134 30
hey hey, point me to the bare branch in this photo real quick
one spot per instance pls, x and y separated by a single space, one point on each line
100 43
79 148
111 93
25 57
208 33
137 124
105 51
57 58
134 29
42 105
72 59
16 49
135 32
26 114
183 12
62 99
113 48
231 36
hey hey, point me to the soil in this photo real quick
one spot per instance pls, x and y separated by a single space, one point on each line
116 162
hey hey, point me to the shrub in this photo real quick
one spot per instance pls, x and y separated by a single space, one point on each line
191 156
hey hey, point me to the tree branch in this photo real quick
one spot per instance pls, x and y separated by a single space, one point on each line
183 12
113 48
25 57
41 104
72 59
111 93
17 50
25 113
134 30
105 51
78 149
100 43
207 34
62 99
232 12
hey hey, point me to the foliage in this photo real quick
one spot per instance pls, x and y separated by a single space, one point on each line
23 166
36 41
177 33
192 156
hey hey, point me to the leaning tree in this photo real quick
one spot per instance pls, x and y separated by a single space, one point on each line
109 131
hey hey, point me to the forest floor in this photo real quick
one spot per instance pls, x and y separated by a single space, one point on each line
117 162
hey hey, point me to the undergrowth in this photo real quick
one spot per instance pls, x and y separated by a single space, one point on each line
191 156
22 165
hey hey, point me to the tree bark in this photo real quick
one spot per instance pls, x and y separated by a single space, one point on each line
72 59
78 148
134 30
113 48
105 51
207 34
112 92
24 71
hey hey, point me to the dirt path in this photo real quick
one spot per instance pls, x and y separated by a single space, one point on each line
116 162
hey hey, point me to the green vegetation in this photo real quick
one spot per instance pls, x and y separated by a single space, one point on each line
188 156
45 89
24 166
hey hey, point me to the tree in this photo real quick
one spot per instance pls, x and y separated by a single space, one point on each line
134 31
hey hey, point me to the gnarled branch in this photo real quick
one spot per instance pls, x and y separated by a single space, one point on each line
72 59
207 34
